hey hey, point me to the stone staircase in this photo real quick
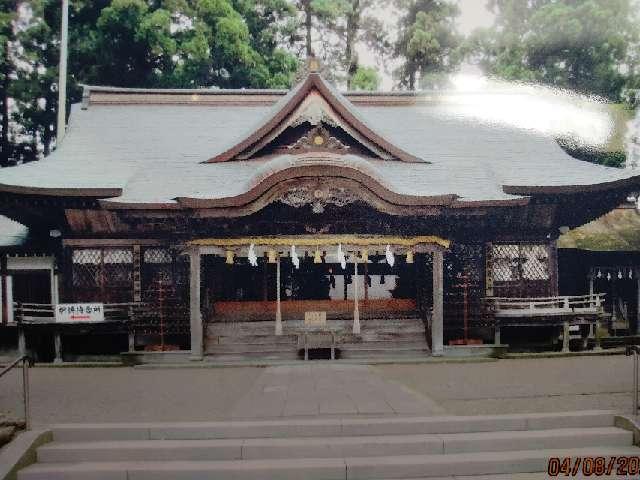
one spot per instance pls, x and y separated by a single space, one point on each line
379 338
500 446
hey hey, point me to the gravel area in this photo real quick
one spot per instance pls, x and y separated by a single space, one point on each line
523 385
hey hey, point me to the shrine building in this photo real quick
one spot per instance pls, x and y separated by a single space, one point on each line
227 224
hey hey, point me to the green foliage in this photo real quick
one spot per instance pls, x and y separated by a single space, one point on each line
34 89
589 46
7 17
428 45
332 29
139 43
365 78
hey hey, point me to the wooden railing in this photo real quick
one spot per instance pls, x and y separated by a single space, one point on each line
546 306
45 313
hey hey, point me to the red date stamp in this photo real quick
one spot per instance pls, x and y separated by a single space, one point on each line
593 466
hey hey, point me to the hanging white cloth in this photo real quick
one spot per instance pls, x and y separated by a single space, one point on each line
341 257
391 259
294 257
252 257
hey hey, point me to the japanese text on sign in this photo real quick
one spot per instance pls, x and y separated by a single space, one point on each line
79 312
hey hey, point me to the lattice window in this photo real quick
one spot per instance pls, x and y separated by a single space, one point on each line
104 275
165 267
535 264
157 268
165 280
157 255
87 268
513 263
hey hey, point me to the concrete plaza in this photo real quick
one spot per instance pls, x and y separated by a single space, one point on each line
323 388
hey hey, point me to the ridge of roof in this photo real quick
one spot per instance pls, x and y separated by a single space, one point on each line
259 91
109 95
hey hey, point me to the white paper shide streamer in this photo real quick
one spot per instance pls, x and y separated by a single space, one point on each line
294 257
252 257
391 260
341 257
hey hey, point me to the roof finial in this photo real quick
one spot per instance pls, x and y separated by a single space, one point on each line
313 65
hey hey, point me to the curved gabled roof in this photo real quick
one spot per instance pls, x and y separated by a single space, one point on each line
151 149
283 111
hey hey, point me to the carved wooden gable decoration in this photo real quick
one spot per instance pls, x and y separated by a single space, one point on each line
314 118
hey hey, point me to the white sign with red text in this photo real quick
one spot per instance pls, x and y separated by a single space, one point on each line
79 312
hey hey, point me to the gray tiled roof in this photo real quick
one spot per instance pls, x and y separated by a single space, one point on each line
154 153
12 233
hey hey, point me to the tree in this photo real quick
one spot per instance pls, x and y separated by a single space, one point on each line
34 89
365 78
428 46
272 27
332 29
134 43
586 46
7 17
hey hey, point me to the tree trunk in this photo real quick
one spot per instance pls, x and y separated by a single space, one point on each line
47 131
4 102
307 24
353 26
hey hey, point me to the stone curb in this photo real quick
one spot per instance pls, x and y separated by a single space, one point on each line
589 353
274 363
21 452
628 422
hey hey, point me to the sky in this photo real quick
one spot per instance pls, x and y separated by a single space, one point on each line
473 14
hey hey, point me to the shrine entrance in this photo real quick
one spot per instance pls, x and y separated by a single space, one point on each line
242 292
271 285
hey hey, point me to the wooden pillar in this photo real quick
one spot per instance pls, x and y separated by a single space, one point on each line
565 337
356 308
55 296
278 307
4 300
265 282
194 303
636 272
553 267
137 282
8 299
437 327
488 270
366 281
57 342
22 341
497 340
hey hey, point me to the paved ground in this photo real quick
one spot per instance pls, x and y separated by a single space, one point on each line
127 394
326 389
523 385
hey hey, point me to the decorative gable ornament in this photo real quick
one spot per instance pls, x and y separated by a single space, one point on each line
318 138
318 197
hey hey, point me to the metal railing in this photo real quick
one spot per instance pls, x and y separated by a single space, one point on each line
634 350
26 363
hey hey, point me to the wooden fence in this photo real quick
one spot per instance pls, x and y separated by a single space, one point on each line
546 306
